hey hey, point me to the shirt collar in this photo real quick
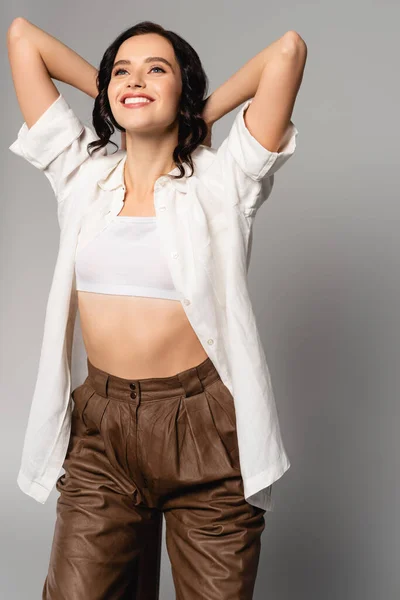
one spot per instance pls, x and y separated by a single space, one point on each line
114 176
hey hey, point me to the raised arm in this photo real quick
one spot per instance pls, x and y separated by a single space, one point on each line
52 138
36 57
272 78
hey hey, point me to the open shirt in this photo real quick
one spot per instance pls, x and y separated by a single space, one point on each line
205 225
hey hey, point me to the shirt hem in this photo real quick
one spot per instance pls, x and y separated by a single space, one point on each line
33 489
258 488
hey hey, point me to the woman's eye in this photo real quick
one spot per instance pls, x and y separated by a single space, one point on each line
119 70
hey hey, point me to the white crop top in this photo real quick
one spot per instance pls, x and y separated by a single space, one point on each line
125 259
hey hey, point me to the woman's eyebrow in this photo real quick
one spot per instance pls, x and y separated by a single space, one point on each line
123 61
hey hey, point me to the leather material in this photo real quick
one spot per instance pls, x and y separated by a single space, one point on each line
140 449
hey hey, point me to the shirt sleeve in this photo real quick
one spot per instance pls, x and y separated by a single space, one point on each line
244 168
57 145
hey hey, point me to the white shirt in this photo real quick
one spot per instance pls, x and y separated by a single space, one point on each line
205 224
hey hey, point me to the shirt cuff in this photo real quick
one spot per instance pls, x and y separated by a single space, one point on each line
55 129
255 160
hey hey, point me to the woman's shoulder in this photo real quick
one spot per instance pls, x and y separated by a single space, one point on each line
204 156
102 165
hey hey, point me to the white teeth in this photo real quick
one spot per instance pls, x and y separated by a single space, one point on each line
136 100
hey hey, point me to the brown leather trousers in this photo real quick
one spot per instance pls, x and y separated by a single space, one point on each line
140 449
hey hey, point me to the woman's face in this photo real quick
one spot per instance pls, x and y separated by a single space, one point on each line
161 81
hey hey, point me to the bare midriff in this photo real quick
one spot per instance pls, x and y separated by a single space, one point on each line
138 337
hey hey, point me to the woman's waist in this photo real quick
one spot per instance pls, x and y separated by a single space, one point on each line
138 336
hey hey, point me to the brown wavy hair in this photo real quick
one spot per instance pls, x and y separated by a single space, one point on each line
192 127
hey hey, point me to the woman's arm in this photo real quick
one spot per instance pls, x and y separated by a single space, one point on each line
241 86
61 61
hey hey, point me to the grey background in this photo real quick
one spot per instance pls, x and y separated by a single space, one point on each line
324 279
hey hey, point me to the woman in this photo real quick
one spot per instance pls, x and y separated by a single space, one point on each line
176 413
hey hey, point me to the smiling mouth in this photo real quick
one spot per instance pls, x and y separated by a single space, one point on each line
136 104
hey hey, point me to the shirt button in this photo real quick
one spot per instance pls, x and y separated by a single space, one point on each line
174 254
162 207
133 394
186 301
132 386
210 341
